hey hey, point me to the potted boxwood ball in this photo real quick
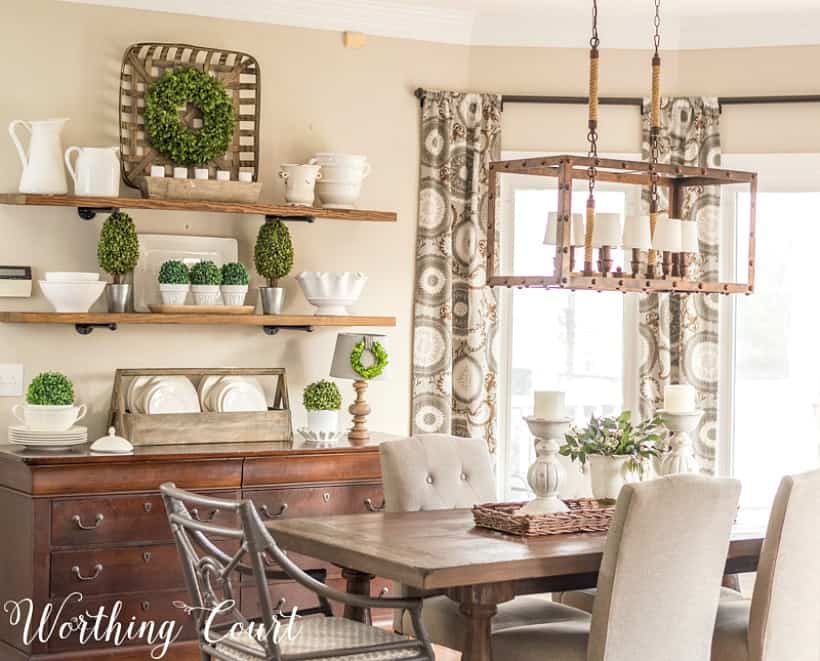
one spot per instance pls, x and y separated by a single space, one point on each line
205 280
273 257
50 404
174 282
118 253
322 400
234 283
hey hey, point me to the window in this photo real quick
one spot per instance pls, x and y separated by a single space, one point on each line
770 370
553 340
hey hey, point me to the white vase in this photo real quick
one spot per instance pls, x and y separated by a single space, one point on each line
610 473
323 421
206 294
234 294
174 294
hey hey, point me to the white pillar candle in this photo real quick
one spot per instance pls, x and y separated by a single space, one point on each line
679 398
246 177
180 173
223 175
549 405
157 170
201 173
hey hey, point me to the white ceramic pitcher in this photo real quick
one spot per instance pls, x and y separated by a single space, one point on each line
43 170
300 181
97 171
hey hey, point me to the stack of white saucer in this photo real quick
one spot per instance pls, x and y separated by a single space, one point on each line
47 440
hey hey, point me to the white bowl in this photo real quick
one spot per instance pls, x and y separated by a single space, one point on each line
71 276
337 158
338 195
340 174
72 296
331 293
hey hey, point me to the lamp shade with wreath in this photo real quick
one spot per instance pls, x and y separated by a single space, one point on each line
361 358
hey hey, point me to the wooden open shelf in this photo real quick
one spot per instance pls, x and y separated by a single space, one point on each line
88 205
271 324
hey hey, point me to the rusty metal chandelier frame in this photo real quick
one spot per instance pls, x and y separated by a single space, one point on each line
654 266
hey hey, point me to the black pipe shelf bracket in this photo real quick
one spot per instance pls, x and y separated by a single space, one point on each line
274 330
89 213
87 329
291 219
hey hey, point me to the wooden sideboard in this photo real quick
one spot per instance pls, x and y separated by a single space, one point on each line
78 522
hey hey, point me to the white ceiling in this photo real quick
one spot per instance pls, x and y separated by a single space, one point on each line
563 23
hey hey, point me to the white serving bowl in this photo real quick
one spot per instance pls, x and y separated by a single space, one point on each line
71 276
331 293
72 296
338 195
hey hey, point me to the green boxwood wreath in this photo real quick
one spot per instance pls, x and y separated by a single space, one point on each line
379 355
170 136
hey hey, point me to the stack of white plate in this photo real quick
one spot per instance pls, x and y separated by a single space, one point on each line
47 440
162 394
231 394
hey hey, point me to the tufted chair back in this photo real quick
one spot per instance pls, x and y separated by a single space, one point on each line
436 472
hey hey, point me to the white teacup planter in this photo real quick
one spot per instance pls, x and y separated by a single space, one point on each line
206 294
234 294
323 421
49 418
174 294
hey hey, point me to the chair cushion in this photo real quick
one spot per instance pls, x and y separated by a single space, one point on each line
730 642
584 599
446 624
566 640
317 634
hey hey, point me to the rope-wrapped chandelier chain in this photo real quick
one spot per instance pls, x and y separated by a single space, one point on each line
654 133
592 135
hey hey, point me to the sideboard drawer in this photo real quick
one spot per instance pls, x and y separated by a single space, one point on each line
316 501
117 519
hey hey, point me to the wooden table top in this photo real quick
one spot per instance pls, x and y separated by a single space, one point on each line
443 548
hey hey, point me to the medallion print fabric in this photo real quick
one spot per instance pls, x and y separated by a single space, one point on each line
454 338
679 332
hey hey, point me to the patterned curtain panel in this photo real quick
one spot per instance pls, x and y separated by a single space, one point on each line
679 332
454 364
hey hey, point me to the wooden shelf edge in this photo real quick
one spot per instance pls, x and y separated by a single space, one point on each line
141 318
24 199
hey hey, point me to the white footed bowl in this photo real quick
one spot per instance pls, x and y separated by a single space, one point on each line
332 293
71 276
72 296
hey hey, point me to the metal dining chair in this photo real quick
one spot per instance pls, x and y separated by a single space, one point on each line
215 557
781 622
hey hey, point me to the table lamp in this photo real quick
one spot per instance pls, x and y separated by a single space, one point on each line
362 358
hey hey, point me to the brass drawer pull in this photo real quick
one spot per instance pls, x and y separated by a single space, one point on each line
383 592
371 507
195 516
145 605
79 522
78 575
270 515
326 496
147 507
146 557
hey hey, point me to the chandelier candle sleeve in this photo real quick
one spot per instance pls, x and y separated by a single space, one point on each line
637 237
576 230
550 405
679 398
606 234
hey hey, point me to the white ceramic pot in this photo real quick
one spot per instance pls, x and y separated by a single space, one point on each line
96 172
174 294
338 195
300 182
206 294
609 474
72 296
331 293
234 294
323 421
49 418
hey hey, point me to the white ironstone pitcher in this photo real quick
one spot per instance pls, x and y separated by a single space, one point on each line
43 170
96 172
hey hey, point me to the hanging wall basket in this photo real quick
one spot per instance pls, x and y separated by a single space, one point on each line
238 73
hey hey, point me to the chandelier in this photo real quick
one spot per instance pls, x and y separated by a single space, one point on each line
662 246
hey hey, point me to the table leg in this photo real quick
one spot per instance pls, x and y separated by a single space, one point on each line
479 603
357 583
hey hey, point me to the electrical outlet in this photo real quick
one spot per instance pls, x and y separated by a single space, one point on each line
11 380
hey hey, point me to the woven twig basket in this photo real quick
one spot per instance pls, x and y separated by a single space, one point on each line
144 63
584 515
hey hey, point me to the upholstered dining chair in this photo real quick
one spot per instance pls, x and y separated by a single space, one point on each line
434 472
781 622
657 586
215 557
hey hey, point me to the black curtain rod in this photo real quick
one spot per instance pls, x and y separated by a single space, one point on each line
638 101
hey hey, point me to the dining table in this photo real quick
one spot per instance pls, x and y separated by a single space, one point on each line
442 551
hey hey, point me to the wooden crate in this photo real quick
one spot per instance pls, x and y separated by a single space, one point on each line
143 63
275 424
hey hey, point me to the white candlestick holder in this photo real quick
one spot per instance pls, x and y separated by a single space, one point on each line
547 473
680 457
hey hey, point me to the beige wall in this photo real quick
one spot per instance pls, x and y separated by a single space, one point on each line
63 60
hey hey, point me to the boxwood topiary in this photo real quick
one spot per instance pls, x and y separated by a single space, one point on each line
273 254
322 396
234 273
118 249
174 272
206 273
50 389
